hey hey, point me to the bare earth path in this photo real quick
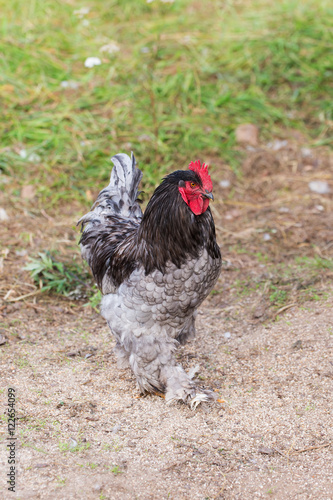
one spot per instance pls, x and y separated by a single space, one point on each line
83 432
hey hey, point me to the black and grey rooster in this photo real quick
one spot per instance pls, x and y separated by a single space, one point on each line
154 270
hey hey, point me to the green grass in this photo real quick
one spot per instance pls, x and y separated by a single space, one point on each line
185 75
70 279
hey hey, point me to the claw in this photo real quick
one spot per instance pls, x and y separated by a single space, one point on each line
160 394
201 397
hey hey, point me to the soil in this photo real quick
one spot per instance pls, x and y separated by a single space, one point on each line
84 431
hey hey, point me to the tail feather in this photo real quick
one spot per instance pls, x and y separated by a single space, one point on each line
113 218
122 192
120 196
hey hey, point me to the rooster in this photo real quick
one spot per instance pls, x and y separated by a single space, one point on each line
154 270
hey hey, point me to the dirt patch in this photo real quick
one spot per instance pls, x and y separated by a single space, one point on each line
264 344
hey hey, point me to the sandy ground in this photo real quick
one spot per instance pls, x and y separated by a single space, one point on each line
84 432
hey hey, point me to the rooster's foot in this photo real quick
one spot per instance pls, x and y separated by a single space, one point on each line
181 388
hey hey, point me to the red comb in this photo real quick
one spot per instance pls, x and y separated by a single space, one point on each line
202 171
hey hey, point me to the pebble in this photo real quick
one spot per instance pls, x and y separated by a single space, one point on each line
72 443
90 62
70 84
98 487
277 145
110 48
3 214
265 451
28 192
320 187
227 335
247 133
225 183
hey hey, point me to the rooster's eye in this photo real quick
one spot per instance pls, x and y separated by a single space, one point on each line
193 185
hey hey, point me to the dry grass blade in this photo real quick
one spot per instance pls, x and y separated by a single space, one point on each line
311 448
22 297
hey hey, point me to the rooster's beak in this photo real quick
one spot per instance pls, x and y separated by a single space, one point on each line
208 194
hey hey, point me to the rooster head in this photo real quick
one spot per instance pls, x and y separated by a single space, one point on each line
198 191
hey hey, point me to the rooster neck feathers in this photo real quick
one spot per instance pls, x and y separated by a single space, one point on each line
169 230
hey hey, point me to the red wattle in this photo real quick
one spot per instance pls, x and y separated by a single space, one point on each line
198 205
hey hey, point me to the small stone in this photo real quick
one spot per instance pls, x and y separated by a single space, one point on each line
90 62
131 444
83 11
227 335
247 133
34 158
71 354
319 187
110 48
98 487
72 443
21 253
70 84
23 154
265 451
320 208
41 466
116 428
197 451
297 344
277 145
225 184
266 237
28 192
3 214
3 340
306 152
259 311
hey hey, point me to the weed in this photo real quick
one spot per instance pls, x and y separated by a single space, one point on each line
33 447
92 465
115 470
52 275
21 362
277 297
64 447
95 298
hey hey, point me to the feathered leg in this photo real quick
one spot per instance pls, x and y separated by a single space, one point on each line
153 363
